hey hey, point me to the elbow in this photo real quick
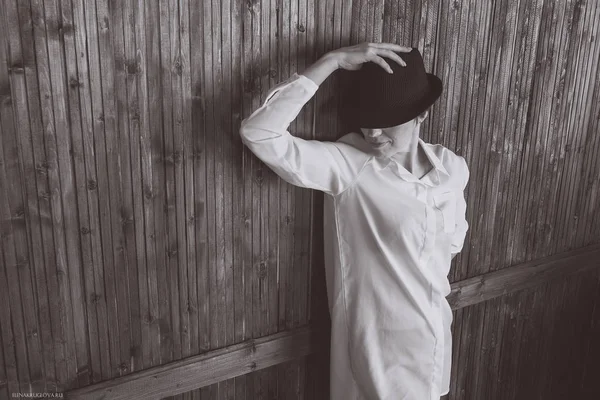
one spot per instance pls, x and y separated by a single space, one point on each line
243 131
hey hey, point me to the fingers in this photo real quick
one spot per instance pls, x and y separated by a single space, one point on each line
381 61
393 56
392 46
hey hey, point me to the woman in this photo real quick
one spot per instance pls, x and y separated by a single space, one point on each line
394 218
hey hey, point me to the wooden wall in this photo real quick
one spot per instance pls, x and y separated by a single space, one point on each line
137 229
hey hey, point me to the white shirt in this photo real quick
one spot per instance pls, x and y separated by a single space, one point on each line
389 240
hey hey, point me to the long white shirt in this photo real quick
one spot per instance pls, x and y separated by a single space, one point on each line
389 240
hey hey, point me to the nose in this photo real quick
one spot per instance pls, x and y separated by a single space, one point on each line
373 133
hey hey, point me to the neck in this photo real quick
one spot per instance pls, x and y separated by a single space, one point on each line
410 156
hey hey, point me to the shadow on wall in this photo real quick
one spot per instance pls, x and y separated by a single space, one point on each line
347 102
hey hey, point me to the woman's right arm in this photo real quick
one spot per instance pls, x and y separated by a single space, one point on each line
326 166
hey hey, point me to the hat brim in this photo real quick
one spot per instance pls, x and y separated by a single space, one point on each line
386 117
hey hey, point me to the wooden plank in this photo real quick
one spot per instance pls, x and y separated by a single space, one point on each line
530 342
11 231
580 313
589 382
17 319
59 34
199 113
123 86
86 333
197 371
131 213
254 354
525 275
211 295
153 170
513 347
477 162
246 162
24 79
138 238
520 67
519 103
520 123
586 199
108 179
544 197
588 56
169 313
180 319
574 65
99 204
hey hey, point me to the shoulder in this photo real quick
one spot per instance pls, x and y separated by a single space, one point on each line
353 145
455 164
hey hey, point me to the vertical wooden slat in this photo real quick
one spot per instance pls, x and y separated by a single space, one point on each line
239 305
87 200
108 182
577 115
11 230
169 38
153 168
585 197
591 368
198 104
4 384
477 161
530 344
520 107
247 109
580 325
129 154
540 195
150 191
475 316
86 319
96 185
24 81
51 98
208 23
190 346
60 35
572 67
503 144
537 115
181 323
121 69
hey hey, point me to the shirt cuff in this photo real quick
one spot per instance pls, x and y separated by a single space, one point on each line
308 83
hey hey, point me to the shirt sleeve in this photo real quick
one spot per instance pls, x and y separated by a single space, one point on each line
462 226
326 166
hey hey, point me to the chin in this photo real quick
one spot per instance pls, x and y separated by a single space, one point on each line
382 154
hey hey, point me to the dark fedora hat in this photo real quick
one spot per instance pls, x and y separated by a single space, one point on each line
383 100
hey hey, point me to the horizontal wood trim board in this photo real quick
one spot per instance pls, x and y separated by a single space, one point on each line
522 276
205 369
239 359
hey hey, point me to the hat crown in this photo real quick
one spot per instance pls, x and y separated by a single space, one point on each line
380 99
377 87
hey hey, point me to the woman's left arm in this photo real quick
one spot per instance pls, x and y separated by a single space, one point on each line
462 226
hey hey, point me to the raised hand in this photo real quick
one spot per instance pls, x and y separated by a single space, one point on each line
352 57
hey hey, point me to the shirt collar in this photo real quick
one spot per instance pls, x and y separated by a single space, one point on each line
432 178
435 161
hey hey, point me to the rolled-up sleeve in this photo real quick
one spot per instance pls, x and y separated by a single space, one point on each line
462 226
321 165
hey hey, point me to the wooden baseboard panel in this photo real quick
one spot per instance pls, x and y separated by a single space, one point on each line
518 277
203 370
239 359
